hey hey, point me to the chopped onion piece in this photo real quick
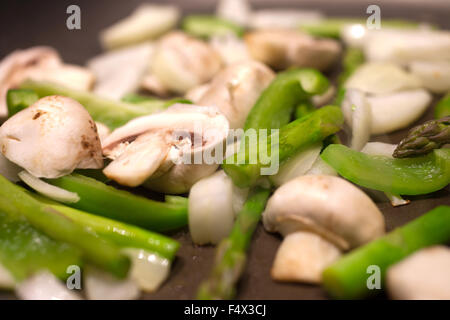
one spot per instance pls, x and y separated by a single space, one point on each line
322 99
47 189
435 76
148 269
382 78
321 168
237 11
45 286
297 165
398 110
355 103
9 169
146 22
100 285
212 208
283 18
6 279
231 48
121 71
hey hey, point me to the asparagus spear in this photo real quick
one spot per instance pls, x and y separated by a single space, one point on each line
25 250
17 202
112 113
206 26
107 201
424 138
121 234
347 278
231 253
443 107
411 176
293 137
19 99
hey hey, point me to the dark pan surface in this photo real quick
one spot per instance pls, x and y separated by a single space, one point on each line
28 23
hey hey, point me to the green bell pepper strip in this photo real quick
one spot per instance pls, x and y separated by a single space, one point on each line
231 252
17 202
408 176
332 27
442 108
293 137
25 250
206 26
304 108
19 99
277 103
107 201
347 277
109 112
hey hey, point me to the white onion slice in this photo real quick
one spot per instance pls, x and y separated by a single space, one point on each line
398 110
297 166
356 105
231 48
212 208
44 286
283 18
47 189
146 22
321 168
6 279
322 99
9 169
435 76
121 71
148 270
382 78
100 285
238 11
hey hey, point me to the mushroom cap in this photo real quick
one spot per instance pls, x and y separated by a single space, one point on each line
236 88
182 62
329 206
281 49
167 148
51 138
423 275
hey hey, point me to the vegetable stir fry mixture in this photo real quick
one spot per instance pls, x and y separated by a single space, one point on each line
221 125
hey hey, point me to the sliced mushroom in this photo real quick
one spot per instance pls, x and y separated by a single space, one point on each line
103 131
282 49
181 62
235 90
422 276
39 63
326 213
167 151
51 138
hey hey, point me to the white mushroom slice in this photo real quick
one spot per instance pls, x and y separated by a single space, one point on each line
422 276
121 71
231 48
398 110
235 90
213 206
103 131
151 83
382 78
329 206
145 23
405 46
283 18
196 93
169 151
281 49
182 62
297 165
39 63
51 138
435 76
8 169
302 257
332 209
